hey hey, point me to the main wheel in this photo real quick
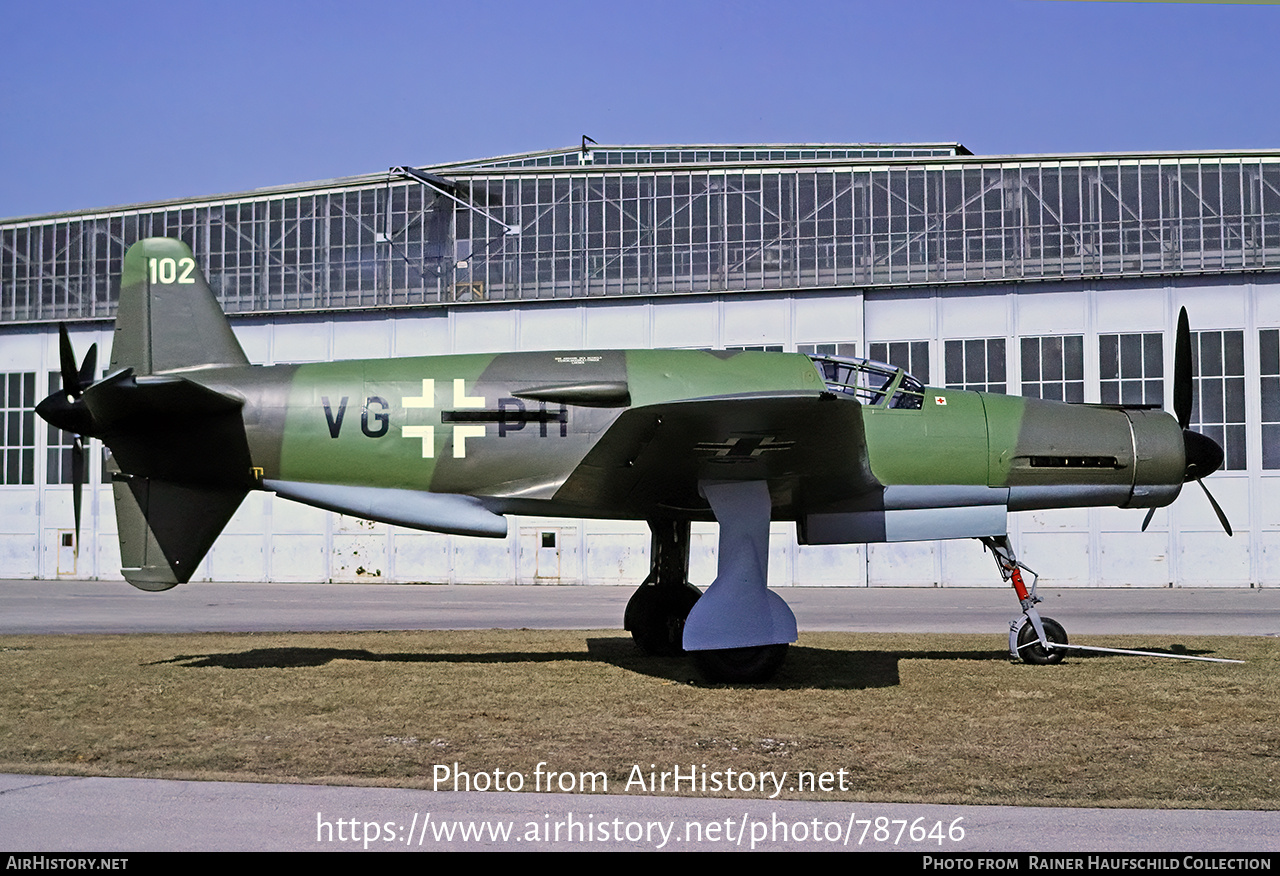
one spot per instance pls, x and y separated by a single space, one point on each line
740 665
655 616
1029 643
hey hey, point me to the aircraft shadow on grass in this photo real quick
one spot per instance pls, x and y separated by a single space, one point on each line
287 658
810 668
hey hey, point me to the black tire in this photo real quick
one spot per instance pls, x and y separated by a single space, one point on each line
740 665
655 616
1029 644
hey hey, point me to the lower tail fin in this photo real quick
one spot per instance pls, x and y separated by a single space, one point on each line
167 528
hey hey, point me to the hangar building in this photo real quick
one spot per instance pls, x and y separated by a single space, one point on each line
1057 276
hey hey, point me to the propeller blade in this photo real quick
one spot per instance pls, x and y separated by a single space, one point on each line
1146 521
67 356
1183 382
75 380
88 366
1217 509
77 481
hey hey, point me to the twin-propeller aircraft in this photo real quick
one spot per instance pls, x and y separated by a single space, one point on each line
853 451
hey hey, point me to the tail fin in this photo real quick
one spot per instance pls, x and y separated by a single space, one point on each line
168 317
180 456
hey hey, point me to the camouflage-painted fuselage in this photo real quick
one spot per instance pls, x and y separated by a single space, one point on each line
630 434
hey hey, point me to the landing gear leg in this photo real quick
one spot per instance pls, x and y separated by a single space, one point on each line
1031 637
739 631
656 613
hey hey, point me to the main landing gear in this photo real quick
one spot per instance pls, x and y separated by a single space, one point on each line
1032 639
656 614
738 631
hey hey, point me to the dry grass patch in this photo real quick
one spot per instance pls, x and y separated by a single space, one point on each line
908 717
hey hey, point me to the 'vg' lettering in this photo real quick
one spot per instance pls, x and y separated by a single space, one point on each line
375 419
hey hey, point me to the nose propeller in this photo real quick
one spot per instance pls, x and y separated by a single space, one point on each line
1203 455
66 410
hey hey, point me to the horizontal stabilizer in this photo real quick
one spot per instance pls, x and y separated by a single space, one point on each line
122 397
172 429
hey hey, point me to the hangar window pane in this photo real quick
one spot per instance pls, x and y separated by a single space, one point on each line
18 451
1132 369
911 356
847 351
1053 368
976 364
1269 347
1218 363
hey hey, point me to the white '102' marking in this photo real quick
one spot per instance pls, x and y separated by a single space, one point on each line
166 270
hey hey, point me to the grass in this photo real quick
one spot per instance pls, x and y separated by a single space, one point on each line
909 718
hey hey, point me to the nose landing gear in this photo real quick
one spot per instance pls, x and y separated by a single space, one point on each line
1032 639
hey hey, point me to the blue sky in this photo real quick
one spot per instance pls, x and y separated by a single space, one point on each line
112 103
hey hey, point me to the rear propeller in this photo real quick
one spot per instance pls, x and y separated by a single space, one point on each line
66 410
1203 455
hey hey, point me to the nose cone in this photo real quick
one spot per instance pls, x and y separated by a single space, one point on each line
1203 455
61 412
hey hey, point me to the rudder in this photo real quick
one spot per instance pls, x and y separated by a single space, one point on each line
168 317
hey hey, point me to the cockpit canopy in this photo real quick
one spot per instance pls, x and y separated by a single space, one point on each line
872 383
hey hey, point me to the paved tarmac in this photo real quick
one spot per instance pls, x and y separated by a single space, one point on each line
55 814
115 607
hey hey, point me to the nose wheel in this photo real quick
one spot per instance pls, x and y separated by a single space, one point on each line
1031 637
1028 641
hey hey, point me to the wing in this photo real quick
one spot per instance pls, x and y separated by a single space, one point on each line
809 447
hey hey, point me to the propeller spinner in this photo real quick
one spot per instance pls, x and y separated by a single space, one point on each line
1203 455
66 410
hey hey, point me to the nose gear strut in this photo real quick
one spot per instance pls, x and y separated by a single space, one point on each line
1032 639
